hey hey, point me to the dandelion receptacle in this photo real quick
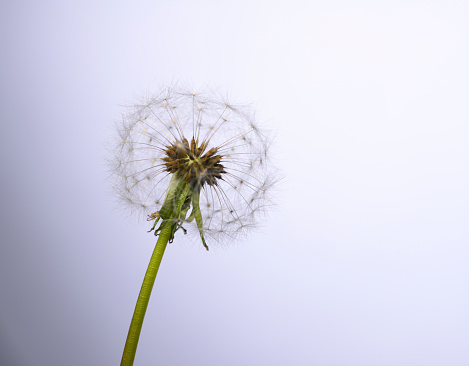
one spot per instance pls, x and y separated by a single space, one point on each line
191 163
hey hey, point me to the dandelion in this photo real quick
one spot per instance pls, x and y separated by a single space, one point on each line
192 163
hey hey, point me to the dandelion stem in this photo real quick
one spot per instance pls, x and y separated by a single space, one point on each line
144 296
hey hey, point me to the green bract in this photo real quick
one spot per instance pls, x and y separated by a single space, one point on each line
181 197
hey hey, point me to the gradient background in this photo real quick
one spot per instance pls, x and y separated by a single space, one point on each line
365 259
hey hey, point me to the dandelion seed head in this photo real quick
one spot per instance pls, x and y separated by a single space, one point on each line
211 142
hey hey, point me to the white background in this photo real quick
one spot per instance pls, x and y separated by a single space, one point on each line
363 262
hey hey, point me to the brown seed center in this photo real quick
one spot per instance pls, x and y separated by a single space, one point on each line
192 162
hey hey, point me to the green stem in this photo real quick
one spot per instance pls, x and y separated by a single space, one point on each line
144 296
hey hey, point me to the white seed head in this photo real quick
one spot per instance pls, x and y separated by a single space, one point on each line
236 199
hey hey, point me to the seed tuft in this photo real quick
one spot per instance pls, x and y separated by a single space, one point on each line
213 145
